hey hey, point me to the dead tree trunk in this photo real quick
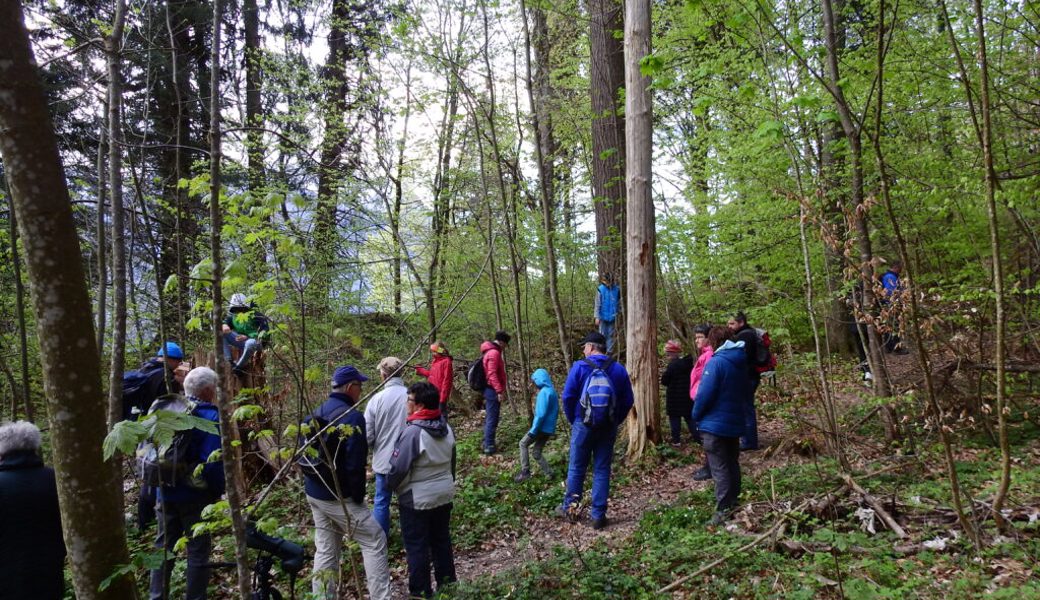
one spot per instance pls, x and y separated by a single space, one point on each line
91 499
644 422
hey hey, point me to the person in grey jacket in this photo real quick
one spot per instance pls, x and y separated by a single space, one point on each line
422 472
384 419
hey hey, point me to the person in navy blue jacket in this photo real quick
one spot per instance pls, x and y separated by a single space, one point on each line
718 410
588 442
338 503
180 505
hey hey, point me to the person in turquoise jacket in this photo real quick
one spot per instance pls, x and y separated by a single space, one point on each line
546 409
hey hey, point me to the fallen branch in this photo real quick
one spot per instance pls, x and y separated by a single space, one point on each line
876 505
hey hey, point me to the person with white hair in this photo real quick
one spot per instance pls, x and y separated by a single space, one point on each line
181 503
245 328
384 419
29 518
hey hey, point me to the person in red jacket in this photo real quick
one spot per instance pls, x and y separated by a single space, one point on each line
439 373
495 371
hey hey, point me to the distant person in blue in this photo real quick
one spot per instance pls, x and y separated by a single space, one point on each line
546 410
180 505
718 410
893 288
608 302
595 384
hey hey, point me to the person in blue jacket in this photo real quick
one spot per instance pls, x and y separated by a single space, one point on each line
180 505
593 442
546 409
718 410
608 302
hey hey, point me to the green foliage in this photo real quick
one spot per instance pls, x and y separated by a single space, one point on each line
160 427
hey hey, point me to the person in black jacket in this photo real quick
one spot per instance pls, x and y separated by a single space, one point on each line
32 552
743 332
676 382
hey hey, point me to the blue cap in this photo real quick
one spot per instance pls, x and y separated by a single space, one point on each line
172 351
345 374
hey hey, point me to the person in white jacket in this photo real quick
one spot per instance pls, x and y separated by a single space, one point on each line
422 472
384 419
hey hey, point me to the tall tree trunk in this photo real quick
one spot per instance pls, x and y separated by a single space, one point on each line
254 108
113 48
644 422
91 499
102 250
607 79
538 93
398 180
229 439
19 310
990 177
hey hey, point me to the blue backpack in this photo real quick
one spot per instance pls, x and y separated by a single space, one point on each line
598 400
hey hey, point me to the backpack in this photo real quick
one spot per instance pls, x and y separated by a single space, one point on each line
173 465
319 458
765 360
136 389
598 399
475 375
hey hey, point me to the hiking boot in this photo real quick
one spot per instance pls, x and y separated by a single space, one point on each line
702 474
744 448
522 476
564 514
599 523
717 519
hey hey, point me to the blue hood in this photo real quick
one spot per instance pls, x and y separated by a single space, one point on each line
542 379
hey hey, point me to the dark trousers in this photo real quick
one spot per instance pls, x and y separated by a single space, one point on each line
427 539
175 521
676 421
724 460
750 437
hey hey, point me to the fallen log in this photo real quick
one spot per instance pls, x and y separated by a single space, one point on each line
886 518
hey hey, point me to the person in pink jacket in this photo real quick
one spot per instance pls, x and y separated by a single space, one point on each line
495 371
705 351
439 373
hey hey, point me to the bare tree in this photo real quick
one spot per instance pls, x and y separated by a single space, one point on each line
113 46
90 498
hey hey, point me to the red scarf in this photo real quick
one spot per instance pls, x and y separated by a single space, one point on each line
425 414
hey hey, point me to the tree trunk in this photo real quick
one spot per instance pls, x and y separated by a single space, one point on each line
113 47
644 422
607 79
254 108
229 439
102 250
90 497
19 308
539 93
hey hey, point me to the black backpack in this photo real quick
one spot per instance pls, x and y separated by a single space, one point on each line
137 389
475 376
172 464
319 457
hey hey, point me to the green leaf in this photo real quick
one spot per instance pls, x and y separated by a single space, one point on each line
246 412
651 65
125 437
171 284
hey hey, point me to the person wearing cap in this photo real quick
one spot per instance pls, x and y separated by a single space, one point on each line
543 427
385 416
495 371
676 382
588 443
608 302
338 503
245 328
439 373
32 552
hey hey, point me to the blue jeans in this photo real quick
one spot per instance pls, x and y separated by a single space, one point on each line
492 406
427 539
597 444
607 329
247 348
381 504
750 437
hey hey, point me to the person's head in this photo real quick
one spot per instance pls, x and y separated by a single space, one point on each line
896 266
502 338
172 353
19 436
700 335
607 278
201 383
238 303
423 395
390 367
181 372
718 335
347 380
438 349
594 343
672 348
737 321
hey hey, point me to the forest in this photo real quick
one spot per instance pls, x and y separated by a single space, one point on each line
355 181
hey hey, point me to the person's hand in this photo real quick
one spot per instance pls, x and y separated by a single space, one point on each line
597 322
181 372
241 338
226 328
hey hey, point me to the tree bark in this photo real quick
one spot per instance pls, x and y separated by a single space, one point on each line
113 47
607 79
229 439
90 498
19 309
254 108
102 250
644 421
